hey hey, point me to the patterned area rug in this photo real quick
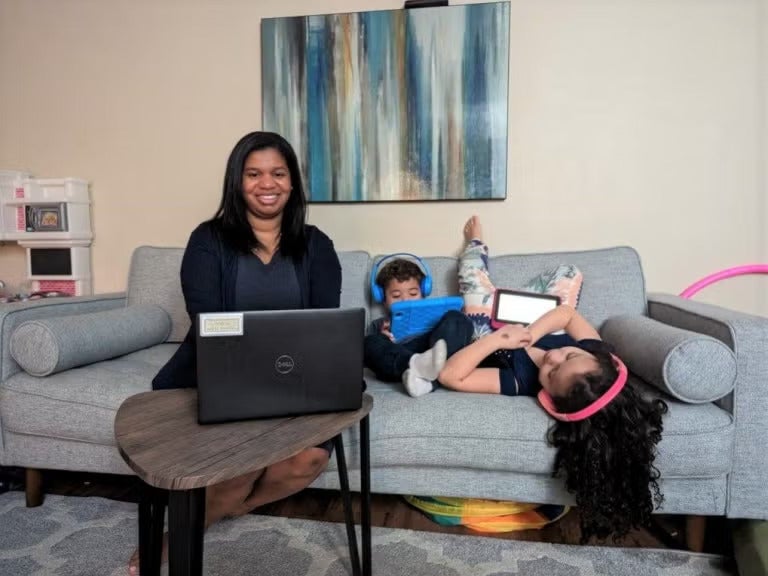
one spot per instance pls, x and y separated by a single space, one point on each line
95 537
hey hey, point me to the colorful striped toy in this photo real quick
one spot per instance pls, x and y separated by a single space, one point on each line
487 515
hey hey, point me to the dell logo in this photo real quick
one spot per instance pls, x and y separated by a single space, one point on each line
284 364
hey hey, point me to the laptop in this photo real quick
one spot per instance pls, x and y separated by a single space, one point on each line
279 363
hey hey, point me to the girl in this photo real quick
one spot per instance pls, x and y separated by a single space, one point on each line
605 431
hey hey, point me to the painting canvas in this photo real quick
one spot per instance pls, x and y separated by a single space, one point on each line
394 105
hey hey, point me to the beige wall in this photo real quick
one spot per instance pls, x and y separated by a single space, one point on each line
12 266
639 123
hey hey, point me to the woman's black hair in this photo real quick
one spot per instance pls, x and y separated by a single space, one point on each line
231 216
607 460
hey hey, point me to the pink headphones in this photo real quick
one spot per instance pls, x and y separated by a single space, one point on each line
549 406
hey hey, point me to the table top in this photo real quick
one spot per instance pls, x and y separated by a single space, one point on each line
158 436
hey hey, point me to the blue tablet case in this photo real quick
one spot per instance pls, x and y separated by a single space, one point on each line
414 317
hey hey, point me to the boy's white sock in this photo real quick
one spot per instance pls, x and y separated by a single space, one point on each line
424 369
427 365
416 386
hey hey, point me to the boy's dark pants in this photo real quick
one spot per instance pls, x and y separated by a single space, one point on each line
389 360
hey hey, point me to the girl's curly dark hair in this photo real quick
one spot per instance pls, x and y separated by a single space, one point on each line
608 459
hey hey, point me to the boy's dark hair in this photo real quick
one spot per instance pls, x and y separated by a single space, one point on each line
231 217
400 270
608 459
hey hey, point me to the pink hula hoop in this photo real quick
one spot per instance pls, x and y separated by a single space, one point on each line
722 275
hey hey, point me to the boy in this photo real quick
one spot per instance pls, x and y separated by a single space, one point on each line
415 361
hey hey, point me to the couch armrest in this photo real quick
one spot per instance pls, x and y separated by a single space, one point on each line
13 314
747 336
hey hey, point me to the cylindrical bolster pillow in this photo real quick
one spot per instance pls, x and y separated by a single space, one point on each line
50 345
691 367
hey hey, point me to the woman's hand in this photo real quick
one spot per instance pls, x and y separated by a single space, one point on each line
473 230
512 336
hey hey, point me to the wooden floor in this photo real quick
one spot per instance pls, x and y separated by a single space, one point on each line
391 511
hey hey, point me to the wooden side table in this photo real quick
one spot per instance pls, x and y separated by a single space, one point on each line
158 436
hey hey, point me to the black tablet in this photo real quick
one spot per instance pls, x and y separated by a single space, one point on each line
518 307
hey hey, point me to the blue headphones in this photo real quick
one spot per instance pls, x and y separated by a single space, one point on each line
377 292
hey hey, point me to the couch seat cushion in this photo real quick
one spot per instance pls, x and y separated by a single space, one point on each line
80 403
449 429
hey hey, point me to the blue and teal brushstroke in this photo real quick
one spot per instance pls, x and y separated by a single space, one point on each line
392 105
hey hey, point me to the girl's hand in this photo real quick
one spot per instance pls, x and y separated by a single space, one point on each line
385 329
473 230
512 336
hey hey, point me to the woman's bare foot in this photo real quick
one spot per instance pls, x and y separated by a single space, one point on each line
133 563
473 230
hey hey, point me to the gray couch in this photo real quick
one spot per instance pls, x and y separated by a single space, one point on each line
712 456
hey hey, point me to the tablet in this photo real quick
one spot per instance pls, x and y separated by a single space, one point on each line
414 317
518 307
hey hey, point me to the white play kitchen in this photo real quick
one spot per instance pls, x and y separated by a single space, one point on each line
51 219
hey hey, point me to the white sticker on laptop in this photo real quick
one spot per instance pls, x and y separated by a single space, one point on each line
221 324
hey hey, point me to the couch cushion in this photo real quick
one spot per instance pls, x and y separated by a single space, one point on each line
49 345
355 269
690 366
80 403
505 433
495 433
613 278
154 278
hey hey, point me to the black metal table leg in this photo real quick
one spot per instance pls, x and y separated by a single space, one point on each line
346 497
365 493
151 524
186 525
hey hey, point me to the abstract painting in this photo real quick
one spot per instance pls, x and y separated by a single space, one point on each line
392 105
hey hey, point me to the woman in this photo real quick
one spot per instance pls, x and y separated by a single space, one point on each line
256 253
